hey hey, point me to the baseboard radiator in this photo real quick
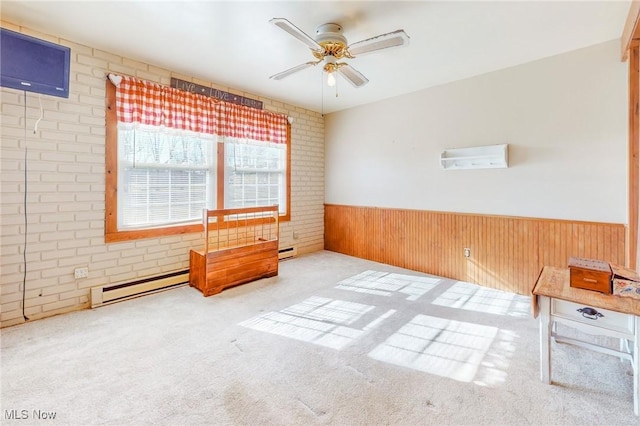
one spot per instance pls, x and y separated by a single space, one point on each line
112 293
287 253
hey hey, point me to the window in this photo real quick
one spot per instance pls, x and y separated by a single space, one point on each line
255 174
165 176
160 177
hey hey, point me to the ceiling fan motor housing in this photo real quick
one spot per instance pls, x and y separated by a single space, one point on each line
330 37
330 32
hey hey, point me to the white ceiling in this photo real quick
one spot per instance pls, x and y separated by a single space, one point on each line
231 43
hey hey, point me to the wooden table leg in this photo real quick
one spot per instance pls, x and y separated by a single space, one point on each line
636 367
545 335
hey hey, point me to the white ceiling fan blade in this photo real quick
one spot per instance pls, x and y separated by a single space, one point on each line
383 41
290 71
297 33
352 75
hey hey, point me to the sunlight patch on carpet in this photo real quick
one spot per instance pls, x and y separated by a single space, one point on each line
472 297
321 321
461 351
385 284
328 310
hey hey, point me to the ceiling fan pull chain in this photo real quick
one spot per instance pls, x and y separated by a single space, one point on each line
322 94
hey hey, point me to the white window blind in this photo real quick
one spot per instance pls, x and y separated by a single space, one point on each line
165 176
255 174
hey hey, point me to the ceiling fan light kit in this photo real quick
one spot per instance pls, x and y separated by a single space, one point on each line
330 67
330 46
331 80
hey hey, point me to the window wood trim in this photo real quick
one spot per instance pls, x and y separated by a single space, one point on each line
111 232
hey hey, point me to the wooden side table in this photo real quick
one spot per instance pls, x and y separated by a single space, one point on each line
555 301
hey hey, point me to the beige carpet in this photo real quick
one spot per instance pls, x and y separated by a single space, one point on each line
331 340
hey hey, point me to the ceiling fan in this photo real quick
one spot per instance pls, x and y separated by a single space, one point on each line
330 46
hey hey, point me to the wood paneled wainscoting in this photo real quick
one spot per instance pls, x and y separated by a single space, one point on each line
507 253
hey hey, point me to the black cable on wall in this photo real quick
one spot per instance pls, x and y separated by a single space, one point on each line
24 251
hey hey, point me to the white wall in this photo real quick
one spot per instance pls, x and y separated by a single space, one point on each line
564 118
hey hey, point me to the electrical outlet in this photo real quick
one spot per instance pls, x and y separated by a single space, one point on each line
81 273
467 252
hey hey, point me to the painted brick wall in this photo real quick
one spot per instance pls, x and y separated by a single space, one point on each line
65 190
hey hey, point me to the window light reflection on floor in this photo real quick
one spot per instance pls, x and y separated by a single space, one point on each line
385 284
324 309
461 351
320 320
472 297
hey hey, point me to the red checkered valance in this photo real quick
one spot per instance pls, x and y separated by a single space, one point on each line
145 102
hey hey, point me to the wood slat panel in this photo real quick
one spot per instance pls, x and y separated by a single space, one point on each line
507 253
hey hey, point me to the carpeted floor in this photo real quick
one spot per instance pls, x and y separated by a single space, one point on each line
331 340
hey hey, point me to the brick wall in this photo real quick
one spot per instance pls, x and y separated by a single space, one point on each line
65 190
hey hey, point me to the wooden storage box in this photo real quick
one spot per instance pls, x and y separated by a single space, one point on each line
240 245
590 274
626 282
